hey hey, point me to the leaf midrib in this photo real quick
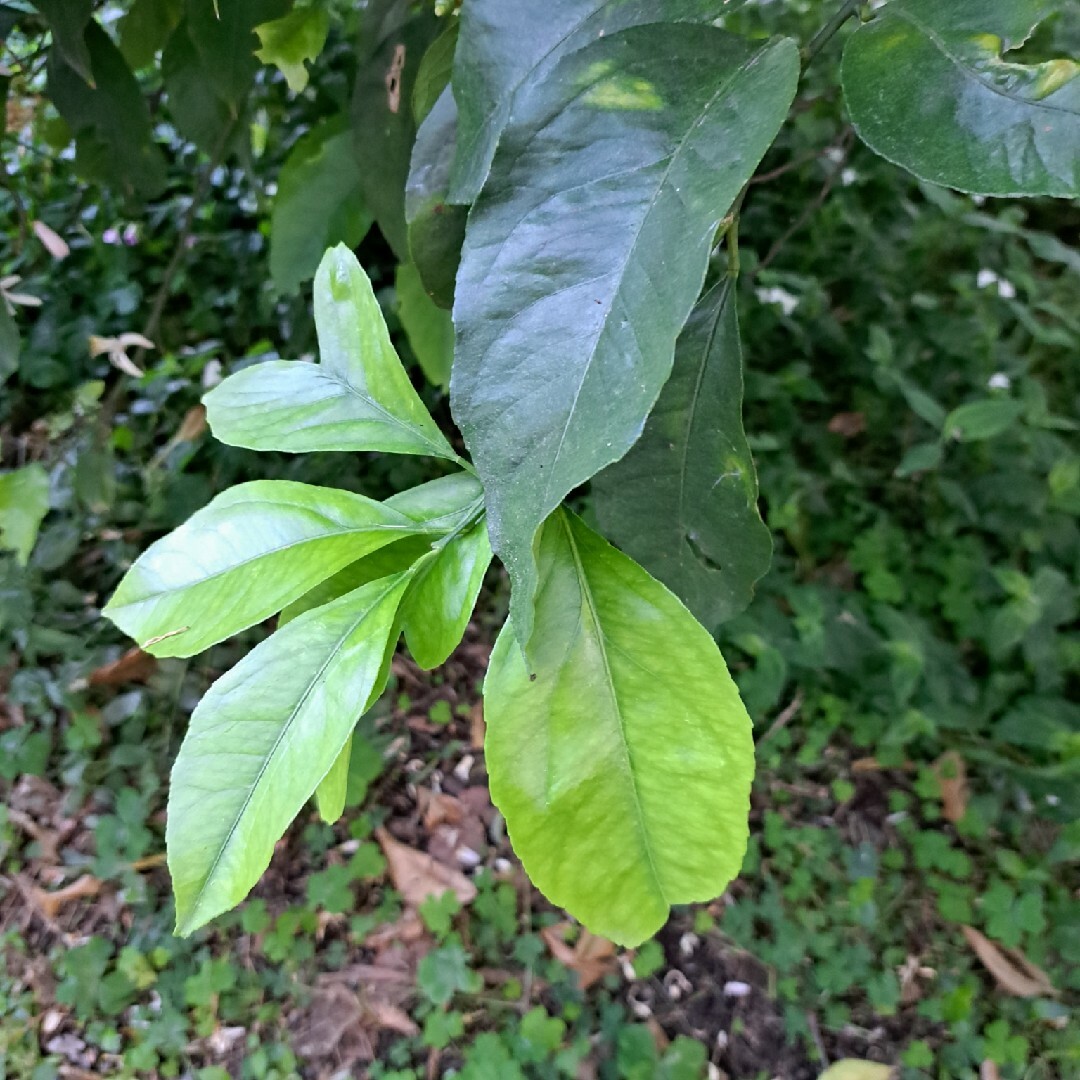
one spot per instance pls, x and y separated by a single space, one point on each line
586 592
269 757
410 529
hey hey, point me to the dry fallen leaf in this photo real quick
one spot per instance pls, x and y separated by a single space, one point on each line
134 666
116 350
952 782
416 875
848 424
591 957
477 727
1012 971
51 241
193 425
853 1069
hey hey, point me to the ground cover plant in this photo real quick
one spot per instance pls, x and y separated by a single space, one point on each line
869 655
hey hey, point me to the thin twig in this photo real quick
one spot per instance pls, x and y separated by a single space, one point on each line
812 207
786 715
828 31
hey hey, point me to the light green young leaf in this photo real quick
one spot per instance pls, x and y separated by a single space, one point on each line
441 600
224 35
10 345
586 252
433 75
683 502
318 204
928 87
24 502
357 398
251 551
333 788
293 40
503 47
439 506
622 756
262 739
428 327
978 420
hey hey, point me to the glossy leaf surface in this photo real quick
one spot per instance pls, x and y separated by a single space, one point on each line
623 766
357 398
67 21
262 739
586 251
318 204
683 502
504 46
929 88
239 560
442 599
436 226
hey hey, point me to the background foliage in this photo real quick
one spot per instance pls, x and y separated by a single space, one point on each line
911 660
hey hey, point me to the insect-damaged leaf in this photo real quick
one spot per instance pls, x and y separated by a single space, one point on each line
621 757
586 251
683 502
929 86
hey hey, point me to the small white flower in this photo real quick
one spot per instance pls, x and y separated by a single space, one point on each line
999 381
788 301
848 177
985 278
1006 290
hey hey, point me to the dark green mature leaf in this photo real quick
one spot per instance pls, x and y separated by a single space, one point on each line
110 120
318 204
586 251
145 29
928 88
428 327
289 43
683 502
251 551
622 757
24 502
503 47
978 420
67 21
197 110
224 36
433 76
383 124
262 739
357 398
441 600
439 506
436 227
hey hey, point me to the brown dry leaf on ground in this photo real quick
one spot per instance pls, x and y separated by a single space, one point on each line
477 726
591 957
952 783
134 666
1012 971
848 424
416 875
